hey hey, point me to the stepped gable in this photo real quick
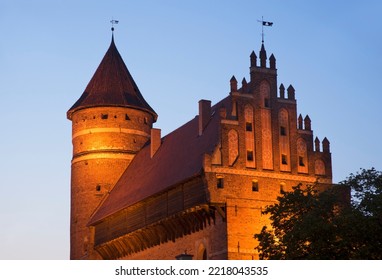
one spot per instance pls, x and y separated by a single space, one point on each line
112 85
180 157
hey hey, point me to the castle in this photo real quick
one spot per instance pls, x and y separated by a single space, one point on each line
200 189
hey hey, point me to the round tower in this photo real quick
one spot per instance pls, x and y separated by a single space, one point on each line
111 122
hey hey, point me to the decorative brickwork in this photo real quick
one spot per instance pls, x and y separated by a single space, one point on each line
201 188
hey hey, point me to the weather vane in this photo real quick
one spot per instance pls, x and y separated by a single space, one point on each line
113 21
264 23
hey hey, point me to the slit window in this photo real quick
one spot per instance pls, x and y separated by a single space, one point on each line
284 159
248 126
250 155
301 161
127 117
98 188
219 182
283 131
266 102
255 186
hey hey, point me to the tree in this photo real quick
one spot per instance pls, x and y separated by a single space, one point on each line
330 224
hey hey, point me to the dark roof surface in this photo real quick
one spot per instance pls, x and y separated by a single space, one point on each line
180 157
112 85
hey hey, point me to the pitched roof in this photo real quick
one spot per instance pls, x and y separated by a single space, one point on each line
112 85
180 157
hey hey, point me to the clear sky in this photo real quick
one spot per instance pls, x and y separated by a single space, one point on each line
178 53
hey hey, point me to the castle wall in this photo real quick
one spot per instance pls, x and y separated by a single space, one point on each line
213 238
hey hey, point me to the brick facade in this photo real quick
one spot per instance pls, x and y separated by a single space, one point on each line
230 162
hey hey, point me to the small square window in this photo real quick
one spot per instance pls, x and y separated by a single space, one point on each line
219 183
284 159
248 126
282 131
255 186
104 116
250 155
98 188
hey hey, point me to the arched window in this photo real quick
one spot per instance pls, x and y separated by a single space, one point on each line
319 167
302 156
233 146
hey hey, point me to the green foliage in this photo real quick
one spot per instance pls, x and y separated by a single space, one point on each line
311 224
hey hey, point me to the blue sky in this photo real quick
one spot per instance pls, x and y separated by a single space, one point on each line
178 53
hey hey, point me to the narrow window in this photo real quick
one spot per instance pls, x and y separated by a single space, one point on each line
219 183
145 120
301 161
282 189
284 159
255 186
98 188
104 116
266 102
248 126
282 131
250 155
127 117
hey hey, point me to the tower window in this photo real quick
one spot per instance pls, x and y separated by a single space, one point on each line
266 102
284 159
248 126
255 186
98 188
219 182
301 161
282 131
104 116
127 117
145 120
250 155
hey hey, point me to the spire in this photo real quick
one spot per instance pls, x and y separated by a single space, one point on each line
233 83
263 56
112 85
253 59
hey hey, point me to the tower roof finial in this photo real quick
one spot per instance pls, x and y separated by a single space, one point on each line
113 21
264 23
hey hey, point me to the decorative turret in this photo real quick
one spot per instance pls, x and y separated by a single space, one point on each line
326 145
244 85
282 91
317 144
253 59
233 83
263 57
300 122
307 123
291 93
272 62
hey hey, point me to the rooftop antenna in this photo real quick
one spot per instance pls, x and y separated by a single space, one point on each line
113 21
264 23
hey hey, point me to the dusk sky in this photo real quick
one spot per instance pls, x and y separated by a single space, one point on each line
178 52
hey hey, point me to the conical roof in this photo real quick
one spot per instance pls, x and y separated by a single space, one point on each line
112 85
